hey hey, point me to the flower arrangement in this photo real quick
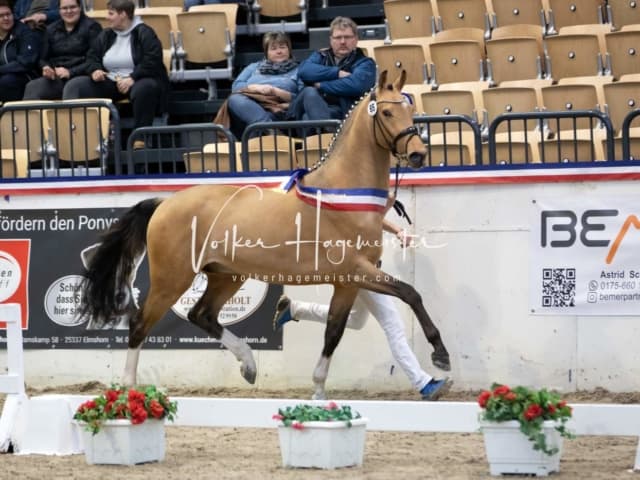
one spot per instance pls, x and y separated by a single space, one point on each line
530 408
295 417
119 403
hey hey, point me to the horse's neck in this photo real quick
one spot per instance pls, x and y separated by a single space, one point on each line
356 159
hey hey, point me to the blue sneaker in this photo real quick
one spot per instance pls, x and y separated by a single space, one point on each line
283 313
435 388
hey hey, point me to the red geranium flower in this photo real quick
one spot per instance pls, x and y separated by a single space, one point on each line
483 398
501 390
533 412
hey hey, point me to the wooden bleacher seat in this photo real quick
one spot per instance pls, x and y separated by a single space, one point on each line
409 18
513 58
623 53
291 16
620 99
573 55
581 133
623 13
564 13
397 57
22 137
213 158
456 61
162 20
454 14
518 12
270 153
99 16
515 139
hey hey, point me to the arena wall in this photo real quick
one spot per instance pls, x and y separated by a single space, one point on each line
471 265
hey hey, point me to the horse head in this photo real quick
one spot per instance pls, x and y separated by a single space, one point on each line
393 121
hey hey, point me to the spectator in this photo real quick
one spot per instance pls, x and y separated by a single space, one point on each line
125 62
385 312
263 90
64 51
191 3
36 13
20 50
336 76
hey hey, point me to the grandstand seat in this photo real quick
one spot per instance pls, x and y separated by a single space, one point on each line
456 61
518 12
367 46
450 143
312 148
513 58
564 13
623 13
397 57
79 135
463 14
230 10
571 133
213 158
99 16
204 39
163 3
415 91
574 55
620 99
286 11
515 138
22 136
623 53
269 153
162 20
474 34
409 18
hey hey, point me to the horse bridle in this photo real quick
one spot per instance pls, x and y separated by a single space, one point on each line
407 132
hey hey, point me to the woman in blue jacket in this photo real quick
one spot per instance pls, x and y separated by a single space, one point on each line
19 53
263 90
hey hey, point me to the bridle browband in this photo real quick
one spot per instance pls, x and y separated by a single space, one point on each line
392 144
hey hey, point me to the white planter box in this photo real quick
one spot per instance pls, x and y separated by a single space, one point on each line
323 444
120 443
509 451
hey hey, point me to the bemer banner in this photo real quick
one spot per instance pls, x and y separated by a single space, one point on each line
43 254
585 255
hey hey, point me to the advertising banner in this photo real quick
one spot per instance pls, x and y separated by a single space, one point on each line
585 256
43 254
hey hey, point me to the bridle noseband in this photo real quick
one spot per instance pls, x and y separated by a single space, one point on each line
393 143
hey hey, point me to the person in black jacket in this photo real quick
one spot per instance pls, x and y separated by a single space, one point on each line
125 62
64 51
19 53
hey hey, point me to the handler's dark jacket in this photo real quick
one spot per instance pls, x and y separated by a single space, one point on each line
146 51
69 49
20 51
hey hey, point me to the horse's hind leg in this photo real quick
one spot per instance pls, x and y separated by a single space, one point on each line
339 310
204 314
405 292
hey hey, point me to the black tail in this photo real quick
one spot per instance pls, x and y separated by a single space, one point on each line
110 267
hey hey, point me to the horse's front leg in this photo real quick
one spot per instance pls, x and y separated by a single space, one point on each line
378 281
339 310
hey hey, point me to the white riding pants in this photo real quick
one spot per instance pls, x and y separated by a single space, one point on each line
385 312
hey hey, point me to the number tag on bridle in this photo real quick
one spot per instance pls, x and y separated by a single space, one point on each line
372 108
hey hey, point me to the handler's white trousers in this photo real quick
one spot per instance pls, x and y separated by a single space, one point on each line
385 312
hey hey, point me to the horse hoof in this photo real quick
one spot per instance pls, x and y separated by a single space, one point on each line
441 361
249 375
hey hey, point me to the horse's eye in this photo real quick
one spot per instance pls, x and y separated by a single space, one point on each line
387 113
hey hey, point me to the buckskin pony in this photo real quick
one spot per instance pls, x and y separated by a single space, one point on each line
326 229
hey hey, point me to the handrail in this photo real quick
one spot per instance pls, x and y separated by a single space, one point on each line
459 120
626 134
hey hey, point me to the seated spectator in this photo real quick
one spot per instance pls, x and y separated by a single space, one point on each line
20 50
263 90
64 51
336 77
36 13
190 3
125 61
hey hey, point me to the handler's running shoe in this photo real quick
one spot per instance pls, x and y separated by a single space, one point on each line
435 388
283 313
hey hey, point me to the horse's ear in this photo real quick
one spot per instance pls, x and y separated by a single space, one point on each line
399 83
382 79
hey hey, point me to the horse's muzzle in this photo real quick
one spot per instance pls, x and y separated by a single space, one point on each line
416 159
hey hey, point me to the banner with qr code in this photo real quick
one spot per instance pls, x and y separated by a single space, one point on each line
585 255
